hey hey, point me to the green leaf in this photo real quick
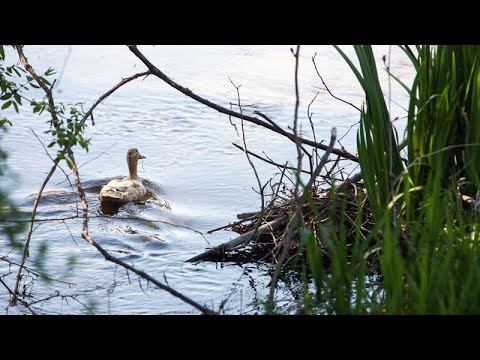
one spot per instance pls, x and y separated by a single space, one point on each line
6 105
45 81
69 163
34 86
5 121
17 98
51 144
29 78
15 106
37 108
16 72
6 96
49 72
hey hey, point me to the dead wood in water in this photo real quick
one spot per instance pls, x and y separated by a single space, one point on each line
326 207
219 251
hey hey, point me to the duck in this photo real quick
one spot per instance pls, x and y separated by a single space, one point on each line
128 189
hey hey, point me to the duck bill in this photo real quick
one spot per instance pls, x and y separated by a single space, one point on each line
140 156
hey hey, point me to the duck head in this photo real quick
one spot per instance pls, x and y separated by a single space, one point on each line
133 155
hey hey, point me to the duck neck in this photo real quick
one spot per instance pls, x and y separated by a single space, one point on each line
132 169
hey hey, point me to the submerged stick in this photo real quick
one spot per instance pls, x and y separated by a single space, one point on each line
239 240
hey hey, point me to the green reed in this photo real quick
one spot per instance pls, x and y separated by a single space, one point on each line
422 257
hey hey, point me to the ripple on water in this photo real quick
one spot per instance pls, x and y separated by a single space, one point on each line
199 179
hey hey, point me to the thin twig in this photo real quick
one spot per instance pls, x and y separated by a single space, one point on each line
61 169
108 257
85 231
298 210
56 124
109 92
278 127
239 240
300 203
231 225
326 87
224 302
34 272
244 142
299 214
310 116
268 161
85 163
274 196
30 230
65 62
12 294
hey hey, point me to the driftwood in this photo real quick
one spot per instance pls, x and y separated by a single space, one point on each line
239 240
271 235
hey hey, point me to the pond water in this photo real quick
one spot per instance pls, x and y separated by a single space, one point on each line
202 181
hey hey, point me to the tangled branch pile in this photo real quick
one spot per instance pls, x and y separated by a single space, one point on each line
339 207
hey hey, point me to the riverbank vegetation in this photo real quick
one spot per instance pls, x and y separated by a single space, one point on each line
401 237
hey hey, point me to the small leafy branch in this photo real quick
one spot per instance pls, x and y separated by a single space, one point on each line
67 124
69 130
14 81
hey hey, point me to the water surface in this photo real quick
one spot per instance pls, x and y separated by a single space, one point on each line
201 180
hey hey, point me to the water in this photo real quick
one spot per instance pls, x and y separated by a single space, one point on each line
197 173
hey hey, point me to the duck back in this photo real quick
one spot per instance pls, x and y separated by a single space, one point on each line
123 191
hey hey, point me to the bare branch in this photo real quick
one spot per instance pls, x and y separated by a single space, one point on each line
109 92
85 232
299 212
278 127
259 220
295 118
85 163
108 257
326 87
301 202
61 169
239 240
30 230
310 116
12 294
267 160
155 71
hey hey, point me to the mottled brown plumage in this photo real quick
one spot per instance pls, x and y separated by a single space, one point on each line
129 188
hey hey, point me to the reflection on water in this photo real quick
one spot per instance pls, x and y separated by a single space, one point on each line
196 179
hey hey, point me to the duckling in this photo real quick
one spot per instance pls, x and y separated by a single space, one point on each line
129 188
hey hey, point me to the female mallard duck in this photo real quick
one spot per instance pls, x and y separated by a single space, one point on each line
127 189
